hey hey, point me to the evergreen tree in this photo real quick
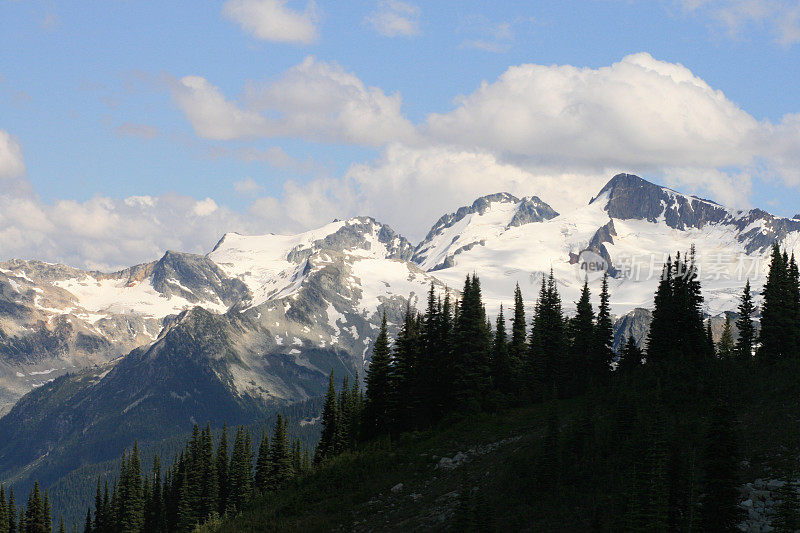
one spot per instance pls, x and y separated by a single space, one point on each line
222 470
3 510
35 512
501 367
604 334
12 512
280 459
61 528
378 380
747 334
404 374
630 357
710 346
548 343
659 338
87 525
775 312
131 503
472 349
239 472
518 347
263 464
584 362
330 411
725 347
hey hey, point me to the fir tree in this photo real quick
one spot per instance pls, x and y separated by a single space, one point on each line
604 334
725 347
12 512
280 459
630 357
131 504
239 472
404 373
501 367
222 470
263 464
377 399
518 348
3 510
87 525
35 512
747 334
330 411
775 312
584 362
548 343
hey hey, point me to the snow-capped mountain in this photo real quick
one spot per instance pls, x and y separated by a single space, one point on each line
633 225
300 301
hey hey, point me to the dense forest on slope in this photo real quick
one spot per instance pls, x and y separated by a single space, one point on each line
662 442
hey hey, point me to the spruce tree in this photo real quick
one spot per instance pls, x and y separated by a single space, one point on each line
630 358
546 360
518 346
12 512
35 512
404 374
747 334
604 335
263 464
239 472
131 504
3 510
472 349
659 338
87 525
330 411
280 458
584 363
222 470
775 313
378 381
725 347
501 367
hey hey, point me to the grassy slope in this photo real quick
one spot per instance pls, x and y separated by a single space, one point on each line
354 491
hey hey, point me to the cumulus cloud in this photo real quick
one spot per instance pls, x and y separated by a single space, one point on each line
393 18
211 115
637 112
272 20
11 162
315 100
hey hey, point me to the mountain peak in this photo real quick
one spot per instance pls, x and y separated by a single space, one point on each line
628 196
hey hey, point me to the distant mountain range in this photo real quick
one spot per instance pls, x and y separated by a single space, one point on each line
260 321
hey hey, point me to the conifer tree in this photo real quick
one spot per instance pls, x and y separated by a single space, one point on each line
239 472
131 504
517 348
35 512
659 338
222 470
330 412
377 398
280 459
725 347
710 346
604 333
630 358
775 313
405 373
12 512
548 343
61 528
263 464
87 525
501 367
585 362
3 510
472 349
747 334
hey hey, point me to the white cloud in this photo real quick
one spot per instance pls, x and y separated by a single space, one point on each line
247 186
203 208
11 162
393 18
314 100
272 20
639 112
781 17
211 115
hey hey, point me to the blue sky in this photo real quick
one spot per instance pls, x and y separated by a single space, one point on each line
130 127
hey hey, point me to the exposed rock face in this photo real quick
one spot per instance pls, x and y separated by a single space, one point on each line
635 324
